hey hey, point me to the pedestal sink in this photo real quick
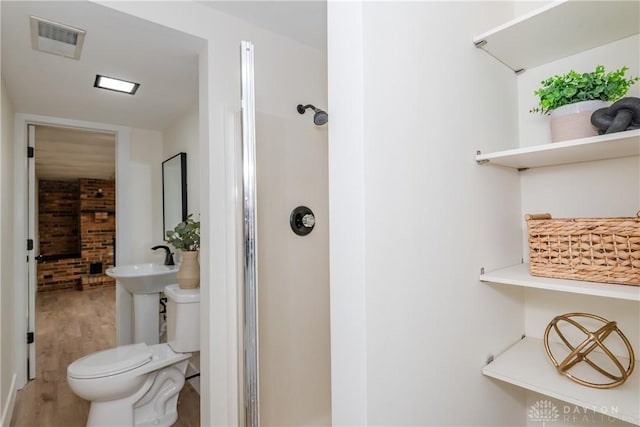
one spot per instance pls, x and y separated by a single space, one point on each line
145 281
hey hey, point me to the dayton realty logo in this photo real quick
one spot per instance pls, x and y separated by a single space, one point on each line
543 411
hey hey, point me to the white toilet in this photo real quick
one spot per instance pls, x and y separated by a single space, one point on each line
138 384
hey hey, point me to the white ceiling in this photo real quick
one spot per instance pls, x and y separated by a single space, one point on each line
302 20
66 154
162 60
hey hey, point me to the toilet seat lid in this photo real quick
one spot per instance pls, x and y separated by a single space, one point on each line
110 362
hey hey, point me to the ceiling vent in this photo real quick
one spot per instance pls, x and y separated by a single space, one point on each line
58 39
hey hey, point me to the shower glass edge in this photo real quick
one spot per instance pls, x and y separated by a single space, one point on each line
249 207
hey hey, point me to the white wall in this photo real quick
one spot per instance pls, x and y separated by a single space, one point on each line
146 195
522 7
346 195
432 218
7 331
182 136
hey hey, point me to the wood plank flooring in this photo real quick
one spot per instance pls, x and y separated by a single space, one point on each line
70 324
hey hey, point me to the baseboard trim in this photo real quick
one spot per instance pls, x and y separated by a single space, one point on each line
7 411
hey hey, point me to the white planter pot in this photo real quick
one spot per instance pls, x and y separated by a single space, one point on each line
573 121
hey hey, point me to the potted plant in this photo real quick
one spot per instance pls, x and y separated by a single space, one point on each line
186 238
570 99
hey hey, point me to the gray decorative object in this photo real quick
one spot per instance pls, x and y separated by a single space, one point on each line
620 116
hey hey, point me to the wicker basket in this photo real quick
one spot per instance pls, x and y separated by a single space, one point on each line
605 250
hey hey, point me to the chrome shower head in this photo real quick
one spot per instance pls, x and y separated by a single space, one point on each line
320 117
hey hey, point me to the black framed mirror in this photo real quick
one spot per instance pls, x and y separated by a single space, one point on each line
174 192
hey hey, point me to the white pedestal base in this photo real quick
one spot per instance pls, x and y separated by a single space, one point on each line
146 318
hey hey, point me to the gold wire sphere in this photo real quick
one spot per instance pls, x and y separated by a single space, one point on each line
594 340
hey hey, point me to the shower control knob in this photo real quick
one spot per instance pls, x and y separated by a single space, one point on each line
309 220
302 220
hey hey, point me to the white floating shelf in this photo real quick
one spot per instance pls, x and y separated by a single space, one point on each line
602 147
560 29
518 275
526 365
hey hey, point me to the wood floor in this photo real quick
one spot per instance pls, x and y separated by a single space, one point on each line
70 324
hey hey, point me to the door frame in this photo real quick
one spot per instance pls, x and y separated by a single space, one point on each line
32 234
123 227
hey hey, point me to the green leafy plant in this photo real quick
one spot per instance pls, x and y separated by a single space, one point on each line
186 235
573 87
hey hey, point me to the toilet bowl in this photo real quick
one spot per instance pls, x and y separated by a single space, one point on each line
138 384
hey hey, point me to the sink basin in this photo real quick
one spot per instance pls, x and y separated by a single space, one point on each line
146 278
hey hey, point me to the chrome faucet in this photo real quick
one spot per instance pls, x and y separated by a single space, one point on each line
168 259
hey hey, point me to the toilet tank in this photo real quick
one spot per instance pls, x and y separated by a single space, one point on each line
183 318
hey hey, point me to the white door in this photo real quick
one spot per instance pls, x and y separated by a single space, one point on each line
31 252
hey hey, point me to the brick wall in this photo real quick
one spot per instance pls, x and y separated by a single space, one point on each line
92 236
88 195
97 227
58 222
65 273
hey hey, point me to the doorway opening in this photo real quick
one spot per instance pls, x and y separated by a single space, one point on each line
69 233
25 226
75 234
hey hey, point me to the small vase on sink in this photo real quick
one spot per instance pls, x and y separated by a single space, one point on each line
186 238
188 275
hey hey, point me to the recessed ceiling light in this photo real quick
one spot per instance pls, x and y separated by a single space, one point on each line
59 39
118 85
